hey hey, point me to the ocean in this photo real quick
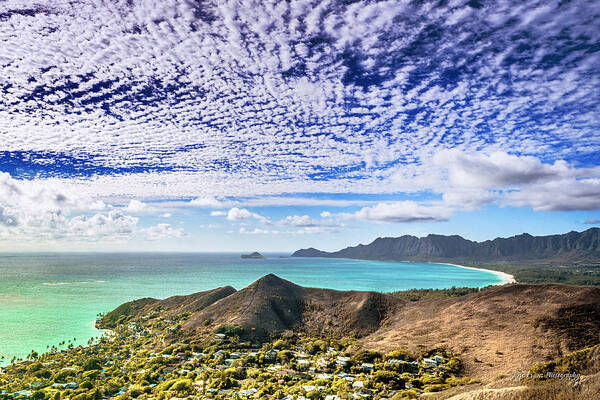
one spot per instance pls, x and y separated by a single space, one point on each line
49 298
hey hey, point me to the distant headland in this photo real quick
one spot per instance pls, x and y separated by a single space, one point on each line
569 249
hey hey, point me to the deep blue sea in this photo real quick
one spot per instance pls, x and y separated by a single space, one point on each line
48 298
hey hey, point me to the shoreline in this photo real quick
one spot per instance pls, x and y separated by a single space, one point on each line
506 278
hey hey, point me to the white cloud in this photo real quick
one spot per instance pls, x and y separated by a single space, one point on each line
6 219
113 225
401 212
312 230
240 214
138 207
207 202
44 211
474 180
261 98
498 169
218 213
300 221
262 104
309 225
557 195
258 231
163 231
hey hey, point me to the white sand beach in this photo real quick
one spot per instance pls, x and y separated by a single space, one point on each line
506 278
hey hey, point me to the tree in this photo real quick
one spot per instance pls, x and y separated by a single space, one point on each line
38 395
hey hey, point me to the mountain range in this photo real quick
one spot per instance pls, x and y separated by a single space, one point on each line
569 248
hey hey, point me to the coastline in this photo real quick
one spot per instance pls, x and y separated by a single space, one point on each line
506 278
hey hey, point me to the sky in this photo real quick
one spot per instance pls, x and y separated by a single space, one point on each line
182 125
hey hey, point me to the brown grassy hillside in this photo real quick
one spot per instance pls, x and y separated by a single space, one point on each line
170 306
501 330
271 305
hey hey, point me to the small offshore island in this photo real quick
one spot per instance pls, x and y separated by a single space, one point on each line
254 255
279 341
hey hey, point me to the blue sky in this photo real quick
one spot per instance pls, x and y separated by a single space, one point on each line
272 125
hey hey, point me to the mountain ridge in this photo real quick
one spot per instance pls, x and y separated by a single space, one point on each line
571 248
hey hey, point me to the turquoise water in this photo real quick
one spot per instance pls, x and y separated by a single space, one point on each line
49 298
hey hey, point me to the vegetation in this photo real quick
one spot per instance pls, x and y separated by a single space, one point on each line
573 275
425 294
576 362
149 357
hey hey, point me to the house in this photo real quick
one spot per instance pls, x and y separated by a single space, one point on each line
220 337
358 385
332 397
395 361
72 385
438 359
430 362
235 355
219 354
322 362
342 361
367 367
324 376
309 388
271 354
248 392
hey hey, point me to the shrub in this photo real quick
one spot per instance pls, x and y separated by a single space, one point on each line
453 365
389 378
285 355
434 388
92 364
316 346
366 356
38 395
136 390
399 355
230 329
428 379
182 385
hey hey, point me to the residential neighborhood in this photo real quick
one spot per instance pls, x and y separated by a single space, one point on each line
149 359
